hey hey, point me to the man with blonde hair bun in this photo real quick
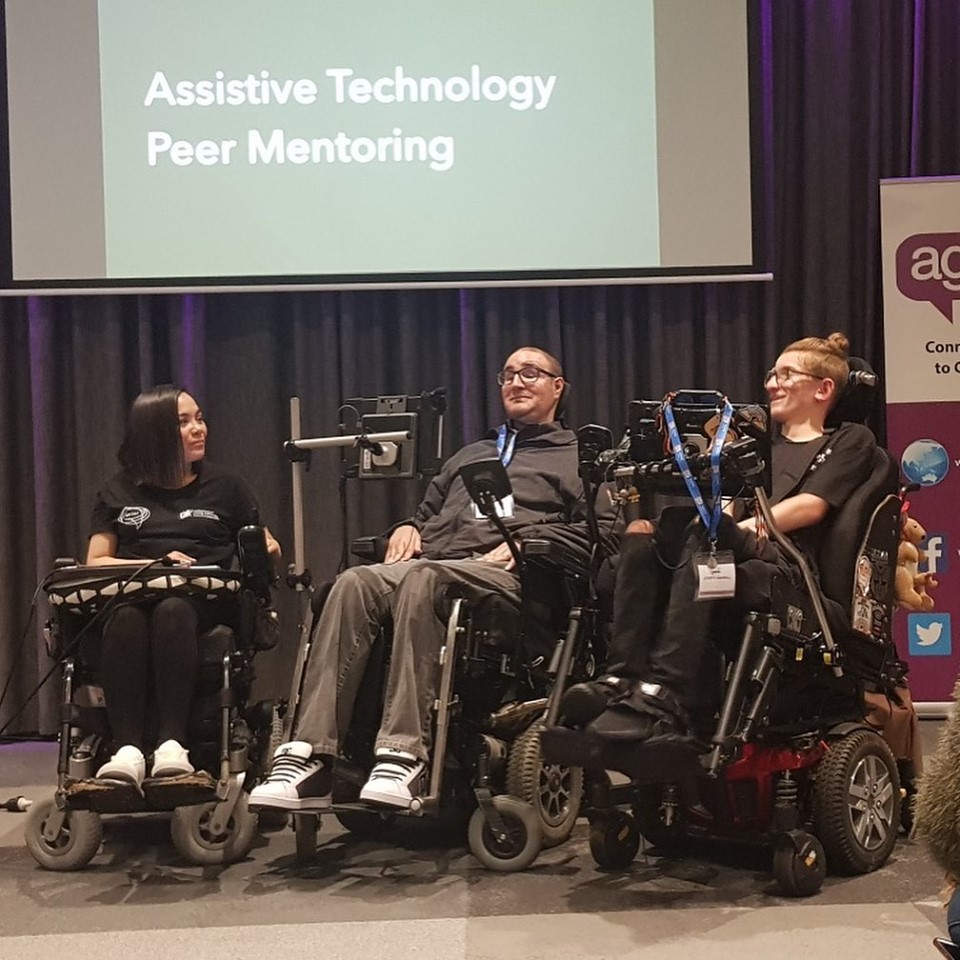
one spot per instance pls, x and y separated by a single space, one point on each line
652 684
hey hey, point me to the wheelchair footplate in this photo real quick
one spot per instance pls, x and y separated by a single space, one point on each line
160 793
646 761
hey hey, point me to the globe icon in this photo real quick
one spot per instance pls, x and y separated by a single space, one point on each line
925 462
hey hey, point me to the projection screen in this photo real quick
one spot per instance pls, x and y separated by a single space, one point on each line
376 143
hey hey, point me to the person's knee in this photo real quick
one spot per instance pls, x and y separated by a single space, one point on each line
174 615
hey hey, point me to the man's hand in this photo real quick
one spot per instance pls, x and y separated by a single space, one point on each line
500 555
403 544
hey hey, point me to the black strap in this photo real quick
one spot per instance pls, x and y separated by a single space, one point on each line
785 485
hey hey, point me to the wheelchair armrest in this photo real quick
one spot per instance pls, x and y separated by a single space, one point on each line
370 549
256 564
550 553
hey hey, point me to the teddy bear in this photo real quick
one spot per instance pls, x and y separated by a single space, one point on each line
911 586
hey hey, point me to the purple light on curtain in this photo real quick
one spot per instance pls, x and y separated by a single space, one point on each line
468 364
919 16
188 345
40 388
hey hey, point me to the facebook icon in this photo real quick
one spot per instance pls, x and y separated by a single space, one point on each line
929 634
937 554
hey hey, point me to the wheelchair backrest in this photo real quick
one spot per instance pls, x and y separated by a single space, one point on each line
850 527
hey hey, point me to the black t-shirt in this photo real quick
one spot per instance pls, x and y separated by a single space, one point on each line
201 519
830 467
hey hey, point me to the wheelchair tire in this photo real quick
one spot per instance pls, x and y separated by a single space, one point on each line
74 846
554 791
614 840
190 831
799 865
518 849
856 804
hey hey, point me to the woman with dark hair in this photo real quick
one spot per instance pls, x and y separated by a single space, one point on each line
166 504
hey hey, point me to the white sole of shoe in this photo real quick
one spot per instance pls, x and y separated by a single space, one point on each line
292 804
371 795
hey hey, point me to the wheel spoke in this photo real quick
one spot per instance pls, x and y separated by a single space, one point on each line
859 791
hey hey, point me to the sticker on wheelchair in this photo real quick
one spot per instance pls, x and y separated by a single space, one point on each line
503 507
716 575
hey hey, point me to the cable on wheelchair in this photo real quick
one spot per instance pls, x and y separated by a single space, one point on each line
81 633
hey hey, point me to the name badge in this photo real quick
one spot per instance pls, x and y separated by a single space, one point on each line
504 509
716 575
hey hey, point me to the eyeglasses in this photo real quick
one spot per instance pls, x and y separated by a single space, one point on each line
528 374
786 375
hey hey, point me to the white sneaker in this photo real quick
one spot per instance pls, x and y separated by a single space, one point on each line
170 760
127 765
298 780
395 780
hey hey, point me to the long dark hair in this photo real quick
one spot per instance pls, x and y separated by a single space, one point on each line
152 451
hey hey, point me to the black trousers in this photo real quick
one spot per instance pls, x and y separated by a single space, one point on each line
660 632
148 663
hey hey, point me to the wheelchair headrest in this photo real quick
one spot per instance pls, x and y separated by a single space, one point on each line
858 401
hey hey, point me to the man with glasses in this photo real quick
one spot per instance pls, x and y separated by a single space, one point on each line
657 645
446 542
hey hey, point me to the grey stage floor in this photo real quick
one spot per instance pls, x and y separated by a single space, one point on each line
424 901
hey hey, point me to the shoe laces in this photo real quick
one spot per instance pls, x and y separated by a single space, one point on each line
289 767
394 769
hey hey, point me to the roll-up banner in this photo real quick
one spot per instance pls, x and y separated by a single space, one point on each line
920 228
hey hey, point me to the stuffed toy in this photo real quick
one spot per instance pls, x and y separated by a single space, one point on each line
911 586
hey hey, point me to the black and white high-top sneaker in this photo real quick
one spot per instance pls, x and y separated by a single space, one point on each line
298 780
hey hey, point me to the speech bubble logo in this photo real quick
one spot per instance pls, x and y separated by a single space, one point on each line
928 270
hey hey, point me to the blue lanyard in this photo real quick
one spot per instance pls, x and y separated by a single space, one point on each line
711 522
506 441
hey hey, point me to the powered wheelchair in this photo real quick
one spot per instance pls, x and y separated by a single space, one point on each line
229 738
783 757
501 668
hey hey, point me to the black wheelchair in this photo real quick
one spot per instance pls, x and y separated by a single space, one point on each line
229 738
502 668
783 758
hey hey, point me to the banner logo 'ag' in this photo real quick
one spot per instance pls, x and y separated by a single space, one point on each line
928 270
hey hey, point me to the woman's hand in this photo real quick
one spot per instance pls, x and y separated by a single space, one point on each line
177 558
403 544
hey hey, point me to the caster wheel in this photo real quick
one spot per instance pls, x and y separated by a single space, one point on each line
553 790
799 865
306 826
75 844
614 840
195 840
519 845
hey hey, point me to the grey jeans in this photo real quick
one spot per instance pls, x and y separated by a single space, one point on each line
360 601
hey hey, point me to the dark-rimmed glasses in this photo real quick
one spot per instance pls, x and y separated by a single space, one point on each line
786 375
528 374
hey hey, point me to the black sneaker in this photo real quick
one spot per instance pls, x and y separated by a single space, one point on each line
299 780
584 702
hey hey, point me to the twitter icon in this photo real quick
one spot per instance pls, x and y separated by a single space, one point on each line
929 634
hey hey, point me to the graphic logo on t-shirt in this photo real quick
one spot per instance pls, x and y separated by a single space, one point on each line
201 514
133 516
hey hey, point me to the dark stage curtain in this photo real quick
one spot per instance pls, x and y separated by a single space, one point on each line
852 91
